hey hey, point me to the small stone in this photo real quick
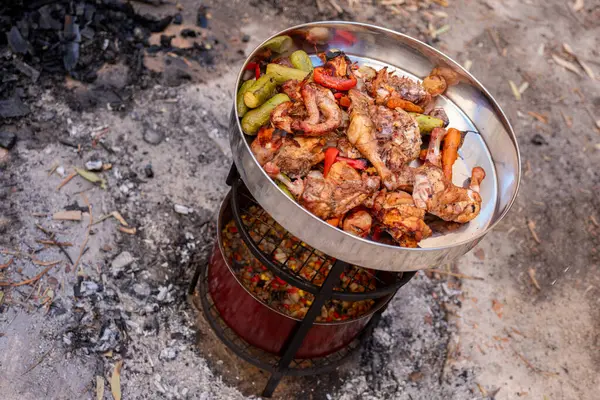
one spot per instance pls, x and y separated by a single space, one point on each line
168 354
13 107
89 287
179 209
246 38
61 171
149 171
93 165
141 289
163 291
138 33
177 19
124 189
121 261
7 139
153 137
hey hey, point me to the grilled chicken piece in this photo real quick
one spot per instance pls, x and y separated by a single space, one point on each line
433 192
292 156
398 215
342 190
385 86
358 223
387 138
286 113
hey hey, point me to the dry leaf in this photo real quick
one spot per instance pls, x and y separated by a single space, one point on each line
130 231
115 381
99 388
497 307
578 5
119 218
524 86
566 64
539 117
515 90
533 280
92 177
531 226
74 215
587 69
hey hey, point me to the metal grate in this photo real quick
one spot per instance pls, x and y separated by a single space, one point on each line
267 361
300 264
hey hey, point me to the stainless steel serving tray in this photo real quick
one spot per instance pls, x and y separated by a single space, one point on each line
491 144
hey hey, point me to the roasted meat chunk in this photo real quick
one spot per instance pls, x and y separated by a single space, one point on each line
433 192
386 86
398 215
358 222
293 156
342 190
387 138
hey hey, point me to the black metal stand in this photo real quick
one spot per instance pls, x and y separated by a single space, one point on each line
280 366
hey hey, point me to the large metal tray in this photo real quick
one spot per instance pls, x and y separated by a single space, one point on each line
491 144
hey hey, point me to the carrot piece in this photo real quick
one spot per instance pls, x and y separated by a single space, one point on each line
423 155
345 101
450 151
334 221
397 102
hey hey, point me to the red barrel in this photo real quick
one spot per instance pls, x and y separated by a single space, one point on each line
263 326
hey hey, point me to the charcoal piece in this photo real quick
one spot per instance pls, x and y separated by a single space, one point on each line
13 108
538 140
73 37
47 21
201 18
88 33
149 171
90 10
7 139
188 33
16 41
178 19
23 26
26 69
165 41
154 24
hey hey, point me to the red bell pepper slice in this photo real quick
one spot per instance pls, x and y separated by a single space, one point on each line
330 156
338 95
356 163
345 101
253 66
323 77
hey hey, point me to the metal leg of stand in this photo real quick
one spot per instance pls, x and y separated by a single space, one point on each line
295 340
232 175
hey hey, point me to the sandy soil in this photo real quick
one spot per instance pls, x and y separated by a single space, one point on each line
441 338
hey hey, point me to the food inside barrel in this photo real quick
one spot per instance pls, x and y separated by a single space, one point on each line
366 150
296 256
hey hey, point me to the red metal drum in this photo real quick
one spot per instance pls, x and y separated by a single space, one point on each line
263 326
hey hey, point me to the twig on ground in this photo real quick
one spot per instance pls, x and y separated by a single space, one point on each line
494 35
336 6
87 233
6 265
38 361
30 280
531 226
53 238
455 275
531 273
66 180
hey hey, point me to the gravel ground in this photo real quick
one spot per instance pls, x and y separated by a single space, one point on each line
441 338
